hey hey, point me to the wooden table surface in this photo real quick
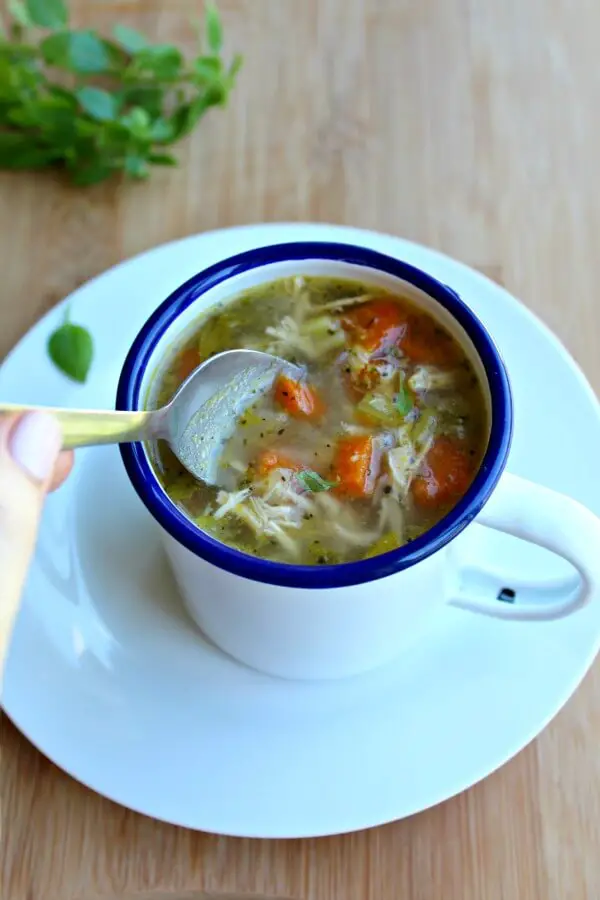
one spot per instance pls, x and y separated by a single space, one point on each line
469 125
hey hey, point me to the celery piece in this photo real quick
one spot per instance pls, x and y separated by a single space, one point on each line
424 428
380 409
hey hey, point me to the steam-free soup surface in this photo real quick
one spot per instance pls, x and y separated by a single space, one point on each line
375 444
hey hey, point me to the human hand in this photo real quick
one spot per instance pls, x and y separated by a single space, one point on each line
31 464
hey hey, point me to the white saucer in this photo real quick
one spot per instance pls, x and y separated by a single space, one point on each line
110 680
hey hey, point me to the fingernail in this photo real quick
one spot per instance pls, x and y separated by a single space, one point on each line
35 443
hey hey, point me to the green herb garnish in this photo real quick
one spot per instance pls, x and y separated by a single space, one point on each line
71 349
93 106
403 401
312 481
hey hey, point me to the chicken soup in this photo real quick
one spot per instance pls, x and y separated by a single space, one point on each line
376 442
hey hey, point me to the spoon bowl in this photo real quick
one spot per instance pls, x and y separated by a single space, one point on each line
196 422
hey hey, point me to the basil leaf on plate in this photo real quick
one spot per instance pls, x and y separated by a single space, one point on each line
71 348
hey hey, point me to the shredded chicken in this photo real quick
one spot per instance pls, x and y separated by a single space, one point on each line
430 378
270 514
344 523
382 483
356 537
312 337
391 517
402 466
344 302
287 337
228 502
274 507
276 486
280 487
320 324
330 505
351 428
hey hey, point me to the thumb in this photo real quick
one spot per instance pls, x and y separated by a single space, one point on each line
29 447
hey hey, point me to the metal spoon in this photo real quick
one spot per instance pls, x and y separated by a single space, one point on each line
197 421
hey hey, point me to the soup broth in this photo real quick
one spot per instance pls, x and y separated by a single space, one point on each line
380 438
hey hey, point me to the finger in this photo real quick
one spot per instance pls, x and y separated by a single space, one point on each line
62 469
29 449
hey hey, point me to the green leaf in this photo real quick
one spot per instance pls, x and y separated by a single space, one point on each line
312 481
71 349
88 128
20 152
403 400
20 14
98 104
185 119
64 94
163 61
161 131
147 96
236 65
48 13
137 121
162 159
94 173
78 51
51 117
208 67
136 166
214 29
129 39
179 122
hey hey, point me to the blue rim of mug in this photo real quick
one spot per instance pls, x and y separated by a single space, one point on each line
183 530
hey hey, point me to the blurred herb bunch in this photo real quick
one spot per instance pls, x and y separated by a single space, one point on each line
92 106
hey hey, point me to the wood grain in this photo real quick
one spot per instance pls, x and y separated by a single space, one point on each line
468 125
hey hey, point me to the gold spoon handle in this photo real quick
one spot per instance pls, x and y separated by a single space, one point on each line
87 427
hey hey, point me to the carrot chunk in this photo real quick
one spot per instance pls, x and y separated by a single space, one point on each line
447 476
375 325
425 342
298 399
273 459
356 466
188 361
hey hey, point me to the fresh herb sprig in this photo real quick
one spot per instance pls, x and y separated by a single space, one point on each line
95 106
403 400
312 481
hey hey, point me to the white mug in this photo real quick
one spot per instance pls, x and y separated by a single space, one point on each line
333 621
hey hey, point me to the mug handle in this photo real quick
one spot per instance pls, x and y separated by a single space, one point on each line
551 520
